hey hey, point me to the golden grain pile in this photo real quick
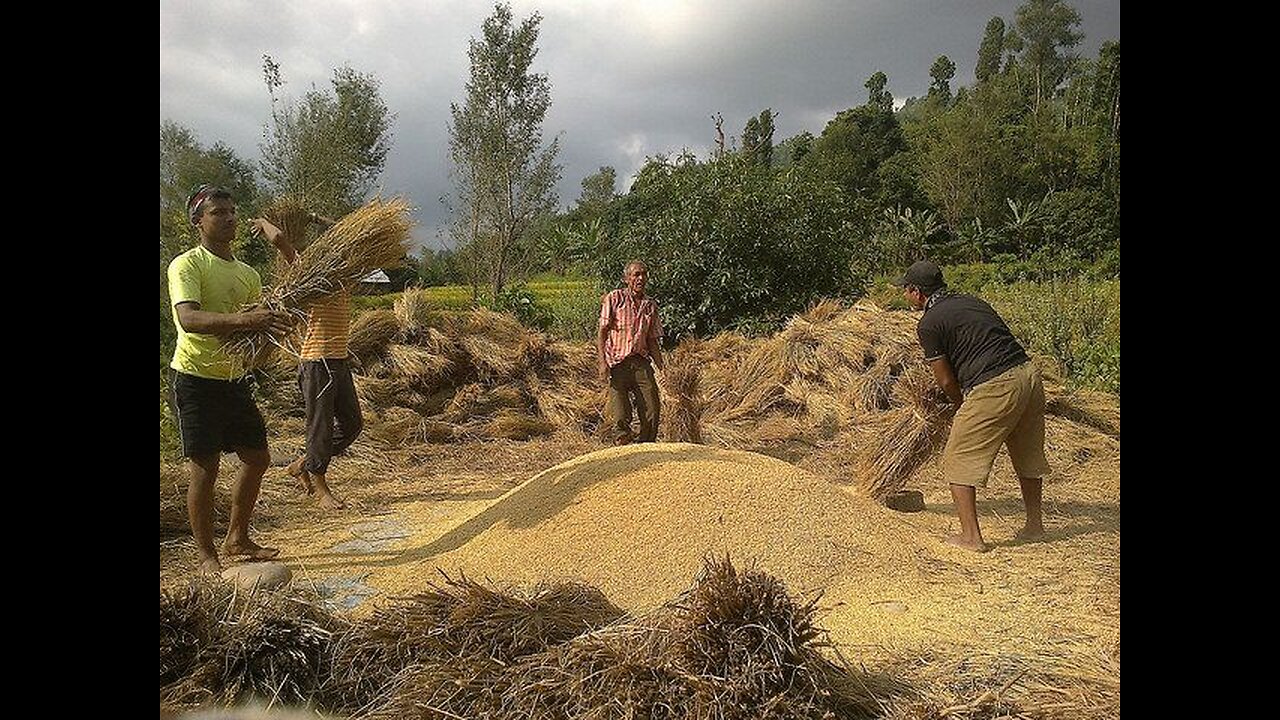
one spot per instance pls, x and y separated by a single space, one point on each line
636 521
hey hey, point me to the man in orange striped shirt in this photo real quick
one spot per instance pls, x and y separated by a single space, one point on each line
629 337
328 390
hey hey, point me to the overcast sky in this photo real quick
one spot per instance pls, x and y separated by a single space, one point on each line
629 78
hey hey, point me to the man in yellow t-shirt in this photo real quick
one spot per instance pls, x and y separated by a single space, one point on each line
213 396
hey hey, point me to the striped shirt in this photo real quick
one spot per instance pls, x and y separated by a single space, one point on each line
328 325
631 324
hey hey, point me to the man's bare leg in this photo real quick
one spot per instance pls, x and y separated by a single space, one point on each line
298 470
966 500
1032 491
203 473
324 495
253 464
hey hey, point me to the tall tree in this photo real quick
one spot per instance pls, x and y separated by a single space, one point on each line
877 96
1046 30
942 71
504 177
751 137
764 149
329 147
991 50
598 189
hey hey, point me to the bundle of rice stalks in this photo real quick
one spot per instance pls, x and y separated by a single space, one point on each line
681 381
416 364
371 332
570 405
189 618
735 646
278 648
435 431
397 426
219 643
372 237
378 393
897 442
498 327
462 623
477 401
413 310
289 213
515 425
492 360
873 387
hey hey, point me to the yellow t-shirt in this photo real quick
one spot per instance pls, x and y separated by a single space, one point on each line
221 286
328 326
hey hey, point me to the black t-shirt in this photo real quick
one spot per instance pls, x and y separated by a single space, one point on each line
971 336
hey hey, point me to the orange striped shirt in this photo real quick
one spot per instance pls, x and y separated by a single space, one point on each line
632 324
328 326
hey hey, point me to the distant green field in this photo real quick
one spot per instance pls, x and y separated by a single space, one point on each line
459 297
572 303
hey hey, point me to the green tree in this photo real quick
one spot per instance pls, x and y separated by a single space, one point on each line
751 137
731 247
877 95
757 138
330 147
852 148
503 176
598 189
1046 30
990 51
942 71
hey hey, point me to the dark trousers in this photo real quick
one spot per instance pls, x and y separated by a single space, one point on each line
333 411
632 380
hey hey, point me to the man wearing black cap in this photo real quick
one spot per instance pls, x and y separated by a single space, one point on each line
996 389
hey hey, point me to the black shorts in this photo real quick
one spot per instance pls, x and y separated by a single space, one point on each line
216 415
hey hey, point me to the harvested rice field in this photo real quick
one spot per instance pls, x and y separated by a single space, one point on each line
573 580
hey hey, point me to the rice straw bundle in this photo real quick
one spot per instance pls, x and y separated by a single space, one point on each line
413 310
371 332
418 364
289 213
900 440
371 237
681 381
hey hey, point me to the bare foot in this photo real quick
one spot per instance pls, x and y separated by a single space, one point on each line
961 541
300 474
329 502
210 566
249 549
1031 534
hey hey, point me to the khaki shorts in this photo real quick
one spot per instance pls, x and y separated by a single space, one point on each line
1007 410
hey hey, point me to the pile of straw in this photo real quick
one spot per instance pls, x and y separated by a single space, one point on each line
372 237
736 645
219 643
846 378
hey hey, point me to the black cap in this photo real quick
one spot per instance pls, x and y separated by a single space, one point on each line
922 274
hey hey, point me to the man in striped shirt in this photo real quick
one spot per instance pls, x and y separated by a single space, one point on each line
628 339
328 390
